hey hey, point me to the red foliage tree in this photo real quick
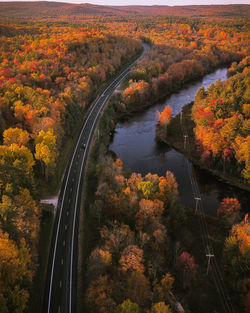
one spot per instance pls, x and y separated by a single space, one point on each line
188 268
229 210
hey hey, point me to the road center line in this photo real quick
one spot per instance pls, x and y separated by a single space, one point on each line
78 186
96 103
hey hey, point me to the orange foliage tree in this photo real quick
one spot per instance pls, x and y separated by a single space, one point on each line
229 210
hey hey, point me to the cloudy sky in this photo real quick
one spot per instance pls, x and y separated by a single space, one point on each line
152 2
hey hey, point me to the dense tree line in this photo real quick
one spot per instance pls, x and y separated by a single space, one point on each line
236 260
137 217
236 250
48 77
180 52
221 115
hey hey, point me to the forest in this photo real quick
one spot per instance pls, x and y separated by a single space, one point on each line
74 11
221 116
51 70
139 216
221 124
48 78
134 213
180 53
145 242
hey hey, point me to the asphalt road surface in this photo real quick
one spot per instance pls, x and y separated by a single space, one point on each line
60 295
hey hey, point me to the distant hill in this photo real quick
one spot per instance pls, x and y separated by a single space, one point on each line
55 10
234 10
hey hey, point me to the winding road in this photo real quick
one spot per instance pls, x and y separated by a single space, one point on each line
61 283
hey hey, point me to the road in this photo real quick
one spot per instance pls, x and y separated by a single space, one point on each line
61 283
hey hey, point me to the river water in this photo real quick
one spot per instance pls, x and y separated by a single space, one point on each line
135 144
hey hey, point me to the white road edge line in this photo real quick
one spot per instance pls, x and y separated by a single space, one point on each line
79 180
60 214
65 187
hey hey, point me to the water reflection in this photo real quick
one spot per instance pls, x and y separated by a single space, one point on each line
134 143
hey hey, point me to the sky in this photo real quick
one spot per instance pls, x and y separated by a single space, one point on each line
150 2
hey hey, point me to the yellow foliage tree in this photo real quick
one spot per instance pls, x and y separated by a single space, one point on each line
15 135
14 263
161 307
16 156
46 149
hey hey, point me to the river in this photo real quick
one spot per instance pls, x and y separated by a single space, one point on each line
135 144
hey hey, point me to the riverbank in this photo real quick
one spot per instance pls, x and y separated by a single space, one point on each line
184 233
151 96
182 125
185 236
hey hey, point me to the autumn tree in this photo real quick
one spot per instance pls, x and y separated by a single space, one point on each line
98 263
149 215
241 147
229 210
165 116
15 135
8 214
147 188
164 287
236 258
28 219
160 238
132 259
160 307
20 218
167 282
168 189
99 296
14 264
116 237
46 150
163 122
187 267
236 250
134 180
128 307
137 281
16 168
